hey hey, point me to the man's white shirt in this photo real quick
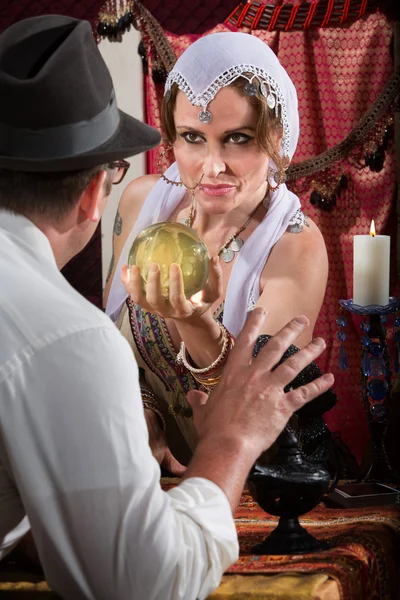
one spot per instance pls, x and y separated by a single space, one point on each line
74 453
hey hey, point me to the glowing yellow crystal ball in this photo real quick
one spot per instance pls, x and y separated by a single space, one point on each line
167 243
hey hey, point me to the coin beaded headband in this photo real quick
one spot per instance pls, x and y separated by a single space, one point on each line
265 84
216 60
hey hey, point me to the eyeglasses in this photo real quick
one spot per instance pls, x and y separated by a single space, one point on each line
122 167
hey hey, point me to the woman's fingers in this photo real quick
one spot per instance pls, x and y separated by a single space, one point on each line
132 281
154 295
177 296
215 282
177 305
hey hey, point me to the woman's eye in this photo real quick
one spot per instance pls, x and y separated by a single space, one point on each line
238 138
191 137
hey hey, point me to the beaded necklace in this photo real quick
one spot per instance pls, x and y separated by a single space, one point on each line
233 245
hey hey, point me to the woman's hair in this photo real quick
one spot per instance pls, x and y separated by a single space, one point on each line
268 129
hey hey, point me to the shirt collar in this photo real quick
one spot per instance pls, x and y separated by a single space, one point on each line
27 233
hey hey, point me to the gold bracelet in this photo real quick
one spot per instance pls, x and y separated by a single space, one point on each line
210 381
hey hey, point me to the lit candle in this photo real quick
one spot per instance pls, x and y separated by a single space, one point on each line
371 266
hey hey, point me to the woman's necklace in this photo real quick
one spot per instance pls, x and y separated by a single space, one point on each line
231 247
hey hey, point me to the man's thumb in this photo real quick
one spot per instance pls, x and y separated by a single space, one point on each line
196 398
172 465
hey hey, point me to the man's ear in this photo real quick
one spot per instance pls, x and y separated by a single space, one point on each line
92 198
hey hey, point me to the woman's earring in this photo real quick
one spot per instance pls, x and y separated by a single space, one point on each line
272 188
277 175
274 175
159 168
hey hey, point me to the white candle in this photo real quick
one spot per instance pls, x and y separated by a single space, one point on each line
371 266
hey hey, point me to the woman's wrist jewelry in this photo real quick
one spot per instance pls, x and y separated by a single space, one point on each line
157 411
208 383
182 358
147 393
149 401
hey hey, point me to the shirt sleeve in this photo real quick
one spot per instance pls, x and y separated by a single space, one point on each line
13 522
90 485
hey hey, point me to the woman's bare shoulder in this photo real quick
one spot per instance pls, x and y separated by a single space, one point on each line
135 194
128 211
299 251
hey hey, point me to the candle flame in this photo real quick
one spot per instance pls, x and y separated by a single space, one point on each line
372 231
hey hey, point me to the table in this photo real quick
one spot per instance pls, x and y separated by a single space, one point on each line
363 562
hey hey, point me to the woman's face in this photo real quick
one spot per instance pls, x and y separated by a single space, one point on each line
224 152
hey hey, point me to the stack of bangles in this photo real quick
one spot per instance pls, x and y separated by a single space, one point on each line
208 377
149 401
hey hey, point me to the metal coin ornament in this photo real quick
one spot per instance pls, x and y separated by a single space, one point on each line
236 244
167 243
205 116
271 101
227 255
263 89
250 89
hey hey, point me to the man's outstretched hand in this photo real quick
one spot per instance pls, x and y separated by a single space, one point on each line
248 409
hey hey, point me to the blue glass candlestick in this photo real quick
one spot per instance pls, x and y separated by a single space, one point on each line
376 383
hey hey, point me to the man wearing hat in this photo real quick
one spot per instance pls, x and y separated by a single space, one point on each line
75 464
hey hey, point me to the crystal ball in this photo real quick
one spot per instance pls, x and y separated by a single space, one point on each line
167 243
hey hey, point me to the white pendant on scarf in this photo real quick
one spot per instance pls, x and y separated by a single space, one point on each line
205 116
264 89
236 244
271 102
227 255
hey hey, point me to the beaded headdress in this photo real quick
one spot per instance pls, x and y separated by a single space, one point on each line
216 60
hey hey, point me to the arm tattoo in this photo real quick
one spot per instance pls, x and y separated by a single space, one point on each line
118 224
117 231
110 268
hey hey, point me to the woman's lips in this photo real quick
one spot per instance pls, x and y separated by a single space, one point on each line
217 190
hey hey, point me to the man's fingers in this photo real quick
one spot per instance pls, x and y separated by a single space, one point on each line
196 398
288 370
242 352
299 397
279 343
170 463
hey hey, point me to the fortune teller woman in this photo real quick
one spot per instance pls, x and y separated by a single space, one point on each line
230 114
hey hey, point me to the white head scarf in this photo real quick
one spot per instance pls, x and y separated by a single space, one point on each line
209 64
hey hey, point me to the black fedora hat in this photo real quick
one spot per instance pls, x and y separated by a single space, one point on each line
58 110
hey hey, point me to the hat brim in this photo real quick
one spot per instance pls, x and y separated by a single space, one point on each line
132 137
